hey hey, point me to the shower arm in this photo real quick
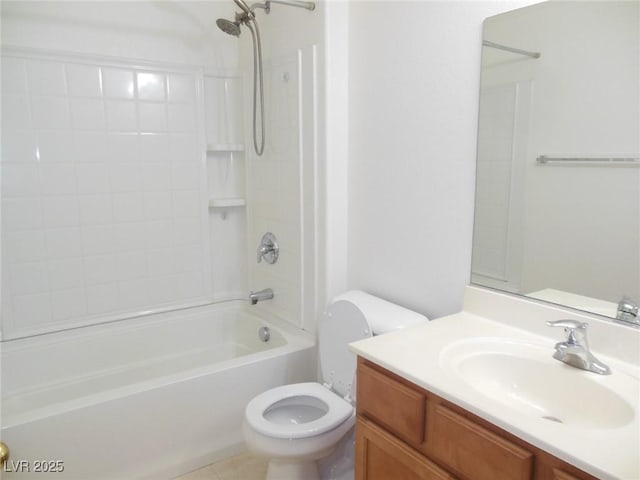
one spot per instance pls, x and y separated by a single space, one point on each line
266 6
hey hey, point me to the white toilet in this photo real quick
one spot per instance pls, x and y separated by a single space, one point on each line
296 425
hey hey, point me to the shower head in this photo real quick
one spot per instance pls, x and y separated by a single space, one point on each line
229 27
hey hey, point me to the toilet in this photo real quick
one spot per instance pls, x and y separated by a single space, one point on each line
296 425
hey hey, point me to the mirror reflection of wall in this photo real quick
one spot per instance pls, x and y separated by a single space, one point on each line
566 231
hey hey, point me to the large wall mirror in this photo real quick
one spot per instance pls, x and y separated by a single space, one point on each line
558 173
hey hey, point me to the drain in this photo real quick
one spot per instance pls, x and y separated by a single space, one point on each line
264 334
552 418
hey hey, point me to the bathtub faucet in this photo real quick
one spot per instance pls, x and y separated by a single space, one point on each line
255 297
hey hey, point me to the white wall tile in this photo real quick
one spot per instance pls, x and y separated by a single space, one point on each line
183 147
117 83
154 148
185 176
21 213
189 285
28 278
186 232
90 147
157 205
93 178
23 246
98 239
68 304
153 117
128 207
126 177
63 242
158 233
181 88
66 273
151 86
19 147
84 80
15 112
32 310
185 204
50 112
58 178
14 75
121 115
186 258
163 289
95 209
20 179
61 211
182 118
46 78
129 236
100 269
161 261
88 173
56 147
102 298
156 176
131 265
133 293
123 147
88 114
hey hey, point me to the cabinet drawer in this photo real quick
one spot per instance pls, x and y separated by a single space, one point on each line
562 475
397 407
381 456
473 451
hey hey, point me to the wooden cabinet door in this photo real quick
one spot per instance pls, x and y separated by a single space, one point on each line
381 456
472 451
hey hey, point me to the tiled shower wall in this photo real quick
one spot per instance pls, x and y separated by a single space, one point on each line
104 205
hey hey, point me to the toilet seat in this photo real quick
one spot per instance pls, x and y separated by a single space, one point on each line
337 411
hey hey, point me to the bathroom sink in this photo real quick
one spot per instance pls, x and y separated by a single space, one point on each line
525 378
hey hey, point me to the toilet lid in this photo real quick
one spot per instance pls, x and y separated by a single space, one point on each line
342 324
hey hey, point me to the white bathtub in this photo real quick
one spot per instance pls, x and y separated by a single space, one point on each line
150 398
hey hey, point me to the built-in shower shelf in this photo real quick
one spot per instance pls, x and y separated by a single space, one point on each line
227 202
225 147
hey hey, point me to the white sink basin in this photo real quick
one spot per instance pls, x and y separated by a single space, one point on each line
525 378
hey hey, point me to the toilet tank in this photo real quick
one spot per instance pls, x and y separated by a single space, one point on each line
353 316
383 316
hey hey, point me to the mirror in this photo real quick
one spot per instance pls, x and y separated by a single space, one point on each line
557 213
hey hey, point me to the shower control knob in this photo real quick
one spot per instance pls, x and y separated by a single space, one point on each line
268 248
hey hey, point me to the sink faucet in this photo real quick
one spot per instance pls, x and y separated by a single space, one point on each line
628 311
255 297
575 350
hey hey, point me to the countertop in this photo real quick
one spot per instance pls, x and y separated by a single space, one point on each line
419 354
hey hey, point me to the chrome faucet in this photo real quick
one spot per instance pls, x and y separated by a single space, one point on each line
575 350
260 295
628 311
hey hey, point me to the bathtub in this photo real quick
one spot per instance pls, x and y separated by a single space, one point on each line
152 397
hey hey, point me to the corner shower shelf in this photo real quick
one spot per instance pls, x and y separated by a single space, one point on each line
225 147
226 202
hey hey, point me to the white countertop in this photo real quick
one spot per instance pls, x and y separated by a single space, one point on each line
419 354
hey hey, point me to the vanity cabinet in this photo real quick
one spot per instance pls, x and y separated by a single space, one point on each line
406 432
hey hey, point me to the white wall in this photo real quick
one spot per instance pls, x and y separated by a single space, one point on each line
414 72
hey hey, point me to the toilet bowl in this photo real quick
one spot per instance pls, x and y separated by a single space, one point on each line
296 425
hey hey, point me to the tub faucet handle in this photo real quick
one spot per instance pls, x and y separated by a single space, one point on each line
268 248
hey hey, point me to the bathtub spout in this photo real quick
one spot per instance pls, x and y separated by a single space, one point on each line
255 297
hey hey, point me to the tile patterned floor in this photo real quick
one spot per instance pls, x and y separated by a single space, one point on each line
240 467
